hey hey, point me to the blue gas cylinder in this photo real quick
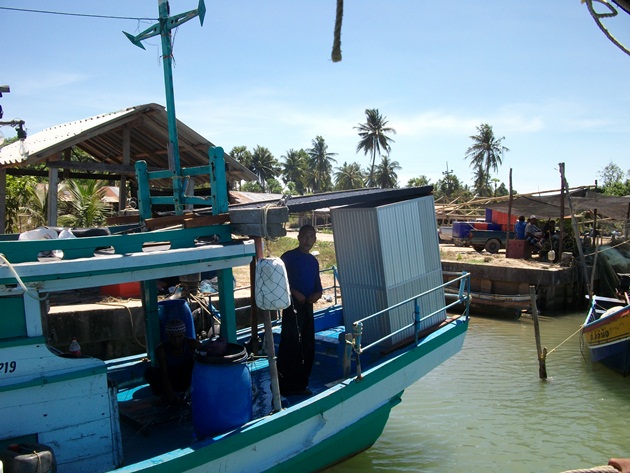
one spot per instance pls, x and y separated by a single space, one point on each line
170 309
221 391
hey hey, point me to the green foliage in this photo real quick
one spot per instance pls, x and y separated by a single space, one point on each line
320 166
294 170
420 181
264 165
374 139
349 176
613 183
274 186
385 175
36 209
252 187
86 205
326 249
485 154
18 195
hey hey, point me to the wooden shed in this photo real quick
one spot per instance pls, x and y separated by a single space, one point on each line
116 140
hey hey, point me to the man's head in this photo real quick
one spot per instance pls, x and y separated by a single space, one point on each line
533 219
175 330
307 238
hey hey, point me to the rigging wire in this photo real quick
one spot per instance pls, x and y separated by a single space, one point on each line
106 17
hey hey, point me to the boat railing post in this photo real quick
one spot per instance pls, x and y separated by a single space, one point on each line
416 318
347 354
358 332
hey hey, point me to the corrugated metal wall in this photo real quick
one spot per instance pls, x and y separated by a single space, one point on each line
386 255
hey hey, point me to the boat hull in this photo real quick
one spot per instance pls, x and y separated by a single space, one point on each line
332 426
608 338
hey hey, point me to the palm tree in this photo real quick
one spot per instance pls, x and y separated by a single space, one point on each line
349 176
485 154
241 154
419 181
320 162
36 208
264 165
293 169
87 206
385 174
374 137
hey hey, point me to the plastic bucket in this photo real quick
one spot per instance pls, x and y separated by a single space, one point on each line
170 309
221 391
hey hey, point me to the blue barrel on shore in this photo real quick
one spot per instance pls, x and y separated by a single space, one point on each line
170 309
221 390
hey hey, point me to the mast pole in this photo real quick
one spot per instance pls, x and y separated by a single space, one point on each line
163 28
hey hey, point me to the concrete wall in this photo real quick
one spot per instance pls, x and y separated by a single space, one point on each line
557 288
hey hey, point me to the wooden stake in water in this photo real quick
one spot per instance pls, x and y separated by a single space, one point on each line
542 352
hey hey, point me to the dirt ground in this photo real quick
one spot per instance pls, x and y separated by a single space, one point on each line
448 252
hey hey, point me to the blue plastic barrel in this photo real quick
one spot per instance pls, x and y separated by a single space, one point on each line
170 309
221 391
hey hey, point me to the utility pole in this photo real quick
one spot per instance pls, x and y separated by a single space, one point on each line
447 179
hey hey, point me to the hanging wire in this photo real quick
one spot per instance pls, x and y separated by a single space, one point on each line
105 17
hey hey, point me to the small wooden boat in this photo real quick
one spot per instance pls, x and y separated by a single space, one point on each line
509 306
606 333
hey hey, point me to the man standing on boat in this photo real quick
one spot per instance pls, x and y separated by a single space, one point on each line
297 341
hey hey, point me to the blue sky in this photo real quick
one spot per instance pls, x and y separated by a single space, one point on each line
259 73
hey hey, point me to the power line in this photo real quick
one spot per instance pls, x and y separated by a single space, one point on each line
107 17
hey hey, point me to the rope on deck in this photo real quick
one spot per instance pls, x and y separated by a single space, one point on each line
595 469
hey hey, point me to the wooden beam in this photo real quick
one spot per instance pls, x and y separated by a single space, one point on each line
119 169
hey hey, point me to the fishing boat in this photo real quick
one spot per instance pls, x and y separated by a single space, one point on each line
99 415
606 330
508 306
77 413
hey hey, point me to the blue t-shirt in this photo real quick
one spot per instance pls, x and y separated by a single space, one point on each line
519 228
302 271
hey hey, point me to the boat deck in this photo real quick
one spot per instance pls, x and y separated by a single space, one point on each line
149 427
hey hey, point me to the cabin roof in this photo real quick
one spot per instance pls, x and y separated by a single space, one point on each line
101 136
359 197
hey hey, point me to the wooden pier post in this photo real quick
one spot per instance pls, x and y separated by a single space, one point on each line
542 352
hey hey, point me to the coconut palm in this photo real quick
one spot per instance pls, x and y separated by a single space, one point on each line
240 154
36 208
349 176
320 162
293 169
385 174
86 204
485 154
374 138
264 165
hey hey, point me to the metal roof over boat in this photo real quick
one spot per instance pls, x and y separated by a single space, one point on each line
365 197
102 137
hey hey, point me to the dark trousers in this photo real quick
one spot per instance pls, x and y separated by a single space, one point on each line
180 377
297 348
